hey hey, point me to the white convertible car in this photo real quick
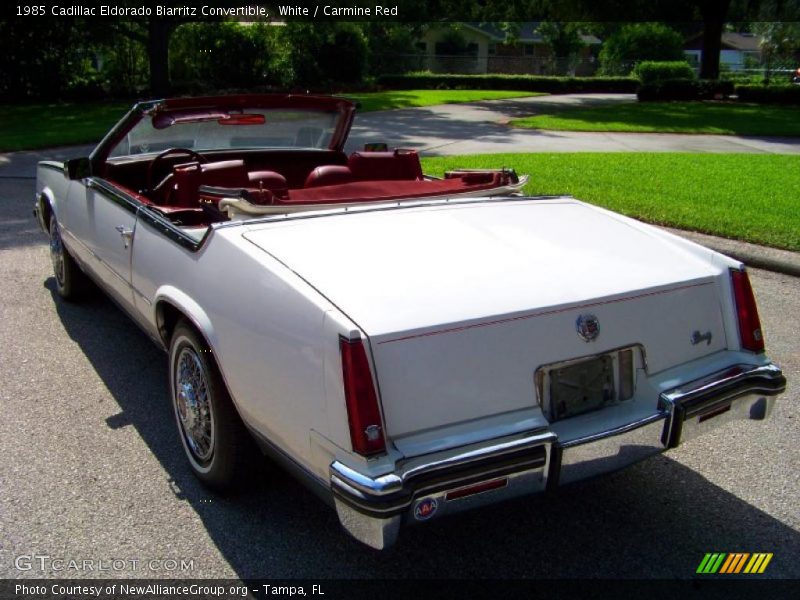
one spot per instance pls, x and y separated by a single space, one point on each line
408 346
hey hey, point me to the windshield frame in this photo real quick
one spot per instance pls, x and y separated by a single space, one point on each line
345 109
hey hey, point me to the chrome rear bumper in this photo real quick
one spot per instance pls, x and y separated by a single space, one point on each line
741 392
372 509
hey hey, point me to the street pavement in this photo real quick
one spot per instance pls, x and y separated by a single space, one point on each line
93 469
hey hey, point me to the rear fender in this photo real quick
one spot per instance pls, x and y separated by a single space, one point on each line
191 310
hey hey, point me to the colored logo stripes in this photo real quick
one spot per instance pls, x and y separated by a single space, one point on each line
734 563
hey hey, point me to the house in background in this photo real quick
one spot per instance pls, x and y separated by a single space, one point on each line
482 48
739 51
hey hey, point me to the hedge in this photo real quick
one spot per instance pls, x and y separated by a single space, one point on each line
527 83
776 94
652 71
684 89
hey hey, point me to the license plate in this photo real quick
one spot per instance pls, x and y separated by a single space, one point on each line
580 387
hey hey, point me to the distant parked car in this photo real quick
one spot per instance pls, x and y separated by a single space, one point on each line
796 76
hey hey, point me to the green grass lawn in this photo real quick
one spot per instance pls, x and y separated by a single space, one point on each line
726 118
409 98
752 197
26 127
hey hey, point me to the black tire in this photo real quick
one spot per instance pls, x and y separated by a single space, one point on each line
71 282
217 444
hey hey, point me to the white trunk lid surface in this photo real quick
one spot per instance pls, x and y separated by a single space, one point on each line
463 302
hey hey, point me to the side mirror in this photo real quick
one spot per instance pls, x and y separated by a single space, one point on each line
77 168
376 147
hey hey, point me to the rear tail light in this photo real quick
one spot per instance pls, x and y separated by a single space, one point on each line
363 414
750 335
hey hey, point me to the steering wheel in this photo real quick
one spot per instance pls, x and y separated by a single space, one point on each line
151 170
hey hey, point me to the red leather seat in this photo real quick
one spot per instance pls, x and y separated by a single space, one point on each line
385 166
329 175
180 188
224 173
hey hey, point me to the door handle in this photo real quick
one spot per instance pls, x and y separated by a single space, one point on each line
125 233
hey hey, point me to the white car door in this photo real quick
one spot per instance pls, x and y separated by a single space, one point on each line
105 221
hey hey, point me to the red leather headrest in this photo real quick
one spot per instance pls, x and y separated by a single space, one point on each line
329 175
269 180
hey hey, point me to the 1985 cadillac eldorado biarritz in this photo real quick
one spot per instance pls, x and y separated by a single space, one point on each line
409 346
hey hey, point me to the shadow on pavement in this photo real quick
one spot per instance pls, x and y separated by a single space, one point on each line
428 127
656 519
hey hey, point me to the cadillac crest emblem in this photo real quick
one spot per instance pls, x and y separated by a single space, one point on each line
588 327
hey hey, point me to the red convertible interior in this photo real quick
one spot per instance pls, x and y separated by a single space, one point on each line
187 187
202 160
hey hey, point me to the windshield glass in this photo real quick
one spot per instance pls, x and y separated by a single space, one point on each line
215 129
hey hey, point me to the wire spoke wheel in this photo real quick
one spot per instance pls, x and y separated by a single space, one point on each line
57 253
215 441
193 405
71 283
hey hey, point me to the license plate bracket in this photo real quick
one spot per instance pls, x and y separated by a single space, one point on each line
580 387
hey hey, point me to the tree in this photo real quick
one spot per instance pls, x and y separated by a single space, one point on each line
637 42
564 40
326 54
392 46
779 39
41 59
226 54
154 33
714 13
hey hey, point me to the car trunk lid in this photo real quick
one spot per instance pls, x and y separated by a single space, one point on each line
463 302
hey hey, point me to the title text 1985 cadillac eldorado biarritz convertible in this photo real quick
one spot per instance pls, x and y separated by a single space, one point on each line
409 346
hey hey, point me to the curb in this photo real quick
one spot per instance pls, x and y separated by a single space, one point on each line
753 255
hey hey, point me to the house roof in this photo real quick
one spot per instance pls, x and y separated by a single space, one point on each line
731 40
741 41
527 34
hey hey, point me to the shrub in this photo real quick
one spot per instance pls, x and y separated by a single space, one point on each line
651 71
775 94
684 89
527 83
637 42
